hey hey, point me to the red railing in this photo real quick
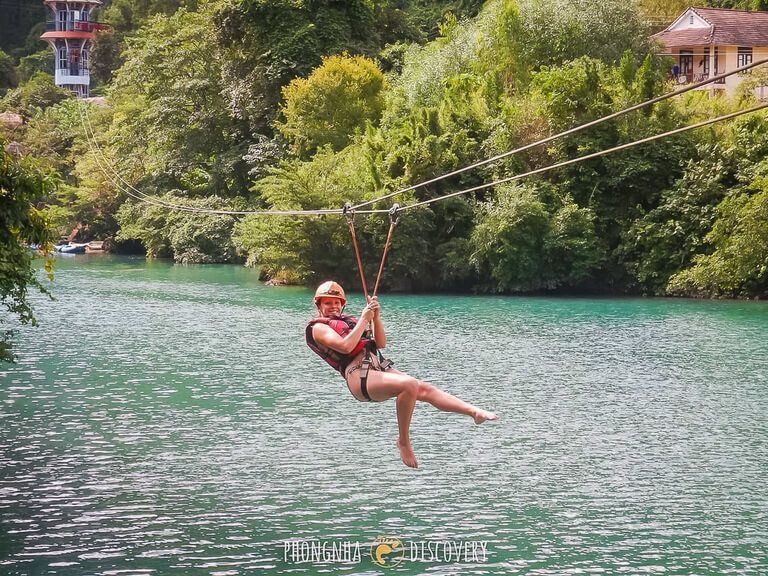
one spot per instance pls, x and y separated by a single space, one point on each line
83 26
75 26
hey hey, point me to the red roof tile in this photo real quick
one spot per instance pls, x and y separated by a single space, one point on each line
728 27
691 37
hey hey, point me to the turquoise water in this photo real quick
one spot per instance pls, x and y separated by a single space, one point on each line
170 420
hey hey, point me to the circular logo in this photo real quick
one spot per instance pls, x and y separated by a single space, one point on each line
387 551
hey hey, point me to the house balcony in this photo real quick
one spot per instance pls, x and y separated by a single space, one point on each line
72 75
692 78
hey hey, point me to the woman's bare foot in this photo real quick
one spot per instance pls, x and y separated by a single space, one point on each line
406 454
483 415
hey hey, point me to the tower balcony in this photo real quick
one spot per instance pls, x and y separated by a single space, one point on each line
74 26
72 75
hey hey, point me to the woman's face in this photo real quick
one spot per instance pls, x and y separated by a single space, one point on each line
329 307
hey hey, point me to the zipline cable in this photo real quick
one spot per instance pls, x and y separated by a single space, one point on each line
158 202
579 159
559 135
351 223
349 212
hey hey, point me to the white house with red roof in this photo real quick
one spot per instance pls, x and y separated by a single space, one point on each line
706 42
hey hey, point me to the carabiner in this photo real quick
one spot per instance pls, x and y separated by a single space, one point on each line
393 213
348 213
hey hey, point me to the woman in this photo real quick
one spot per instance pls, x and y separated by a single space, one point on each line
342 342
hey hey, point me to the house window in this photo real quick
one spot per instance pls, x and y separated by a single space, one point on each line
690 21
62 59
744 57
706 62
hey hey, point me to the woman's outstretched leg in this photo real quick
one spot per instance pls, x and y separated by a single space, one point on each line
407 390
448 402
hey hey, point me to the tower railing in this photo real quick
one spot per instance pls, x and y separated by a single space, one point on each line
74 26
74 70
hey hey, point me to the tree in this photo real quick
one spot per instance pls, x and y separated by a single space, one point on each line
739 264
661 13
739 4
525 242
41 61
8 76
126 16
734 259
22 185
556 31
334 102
668 236
171 127
187 237
621 187
37 94
268 43
171 131
105 55
305 249
18 18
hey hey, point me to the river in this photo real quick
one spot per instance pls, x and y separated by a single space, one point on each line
170 420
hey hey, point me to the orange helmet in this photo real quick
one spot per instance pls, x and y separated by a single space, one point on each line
330 289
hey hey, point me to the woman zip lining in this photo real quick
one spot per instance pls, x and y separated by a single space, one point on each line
348 346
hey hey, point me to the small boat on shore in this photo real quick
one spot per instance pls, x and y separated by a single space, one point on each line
71 248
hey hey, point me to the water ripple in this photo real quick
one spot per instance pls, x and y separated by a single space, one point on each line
167 419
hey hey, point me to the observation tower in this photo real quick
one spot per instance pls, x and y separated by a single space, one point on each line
70 31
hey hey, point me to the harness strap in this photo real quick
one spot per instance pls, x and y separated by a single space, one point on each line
351 223
393 218
365 366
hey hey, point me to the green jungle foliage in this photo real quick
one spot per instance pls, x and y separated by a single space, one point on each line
278 104
22 185
8 75
18 20
34 96
332 104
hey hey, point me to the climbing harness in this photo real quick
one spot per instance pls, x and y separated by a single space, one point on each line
340 362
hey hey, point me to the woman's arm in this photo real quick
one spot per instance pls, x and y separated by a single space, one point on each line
328 337
379 336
